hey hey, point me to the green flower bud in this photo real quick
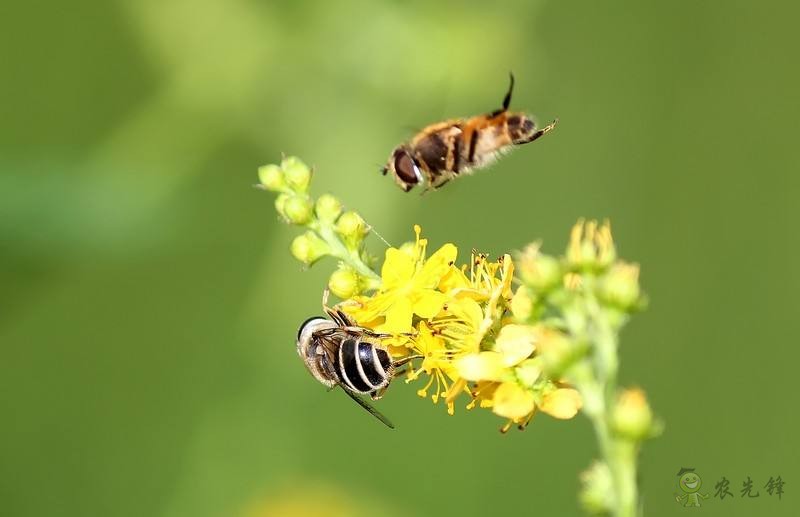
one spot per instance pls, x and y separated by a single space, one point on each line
529 371
298 210
597 491
620 286
352 228
556 351
344 283
280 203
297 173
539 271
632 416
308 248
271 177
328 208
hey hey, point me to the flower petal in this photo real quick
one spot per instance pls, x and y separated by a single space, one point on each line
454 278
515 343
485 366
429 303
398 317
436 266
511 401
397 270
562 403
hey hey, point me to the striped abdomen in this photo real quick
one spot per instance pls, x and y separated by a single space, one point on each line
362 366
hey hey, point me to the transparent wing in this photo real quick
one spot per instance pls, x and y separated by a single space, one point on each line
366 405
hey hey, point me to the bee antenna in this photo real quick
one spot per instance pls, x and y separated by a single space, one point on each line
373 230
507 98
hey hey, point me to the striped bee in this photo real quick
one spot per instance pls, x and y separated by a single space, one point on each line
446 150
339 353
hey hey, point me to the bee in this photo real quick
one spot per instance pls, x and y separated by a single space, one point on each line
446 150
337 352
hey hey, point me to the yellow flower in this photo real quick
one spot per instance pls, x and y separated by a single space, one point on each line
563 403
409 286
513 402
437 365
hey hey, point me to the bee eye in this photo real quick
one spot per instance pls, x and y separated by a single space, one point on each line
405 168
305 324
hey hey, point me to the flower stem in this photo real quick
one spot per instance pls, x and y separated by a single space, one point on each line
597 382
340 251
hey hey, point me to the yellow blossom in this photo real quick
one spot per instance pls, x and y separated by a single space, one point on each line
408 287
436 364
562 403
513 402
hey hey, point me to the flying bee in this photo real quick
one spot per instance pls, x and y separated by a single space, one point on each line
339 353
446 150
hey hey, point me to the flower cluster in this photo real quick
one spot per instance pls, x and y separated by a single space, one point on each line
532 333
460 321
330 231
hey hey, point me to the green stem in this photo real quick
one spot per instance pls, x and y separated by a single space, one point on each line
341 252
598 385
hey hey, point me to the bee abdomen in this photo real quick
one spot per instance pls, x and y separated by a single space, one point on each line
362 366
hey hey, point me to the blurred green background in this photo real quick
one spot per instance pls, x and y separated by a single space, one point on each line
149 304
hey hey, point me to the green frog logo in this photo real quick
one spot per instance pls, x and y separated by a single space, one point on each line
690 483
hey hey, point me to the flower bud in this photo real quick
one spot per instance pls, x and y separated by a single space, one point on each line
344 283
352 228
529 371
598 488
620 286
280 202
537 270
328 208
271 177
591 246
297 173
298 210
556 350
632 416
308 248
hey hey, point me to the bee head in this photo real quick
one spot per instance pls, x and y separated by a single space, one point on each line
404 169
521 128
307 329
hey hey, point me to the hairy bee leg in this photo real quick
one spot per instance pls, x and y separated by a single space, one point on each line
539 133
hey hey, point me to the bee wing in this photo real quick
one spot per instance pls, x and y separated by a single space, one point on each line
366 405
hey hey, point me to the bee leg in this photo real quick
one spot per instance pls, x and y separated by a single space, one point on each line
327 367
335 314
378 394
539 133
404 360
